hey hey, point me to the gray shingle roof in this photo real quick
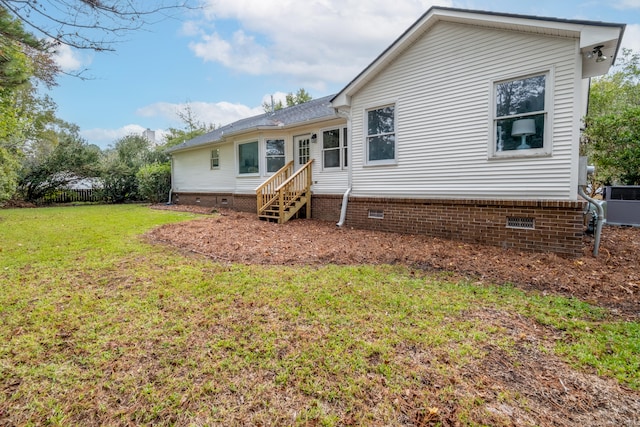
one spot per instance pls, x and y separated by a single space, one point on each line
315 109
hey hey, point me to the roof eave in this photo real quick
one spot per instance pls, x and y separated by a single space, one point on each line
181 148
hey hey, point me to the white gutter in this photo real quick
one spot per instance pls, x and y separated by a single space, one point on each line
169 202
345 198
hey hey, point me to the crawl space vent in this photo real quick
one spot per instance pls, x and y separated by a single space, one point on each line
520 222
376 214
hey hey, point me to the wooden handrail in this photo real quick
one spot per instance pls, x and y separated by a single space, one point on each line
285 188
276 175
295 186
266 192
299 172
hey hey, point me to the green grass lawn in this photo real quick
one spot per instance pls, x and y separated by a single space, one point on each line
98 327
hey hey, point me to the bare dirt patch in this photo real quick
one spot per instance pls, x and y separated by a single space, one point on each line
611 280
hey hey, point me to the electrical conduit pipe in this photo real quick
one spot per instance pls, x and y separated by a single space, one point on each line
599 220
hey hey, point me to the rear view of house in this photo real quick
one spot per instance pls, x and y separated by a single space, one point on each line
467 127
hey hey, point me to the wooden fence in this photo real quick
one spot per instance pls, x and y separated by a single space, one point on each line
70 196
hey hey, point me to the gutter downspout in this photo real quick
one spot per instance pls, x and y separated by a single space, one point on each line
343 209
170 201
599 220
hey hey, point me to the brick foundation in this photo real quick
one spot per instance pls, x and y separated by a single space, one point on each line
239 202
556 226
326 207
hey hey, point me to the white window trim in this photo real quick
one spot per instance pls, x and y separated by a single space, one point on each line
263 153
547 147
237 158
217 151
365 128
340 148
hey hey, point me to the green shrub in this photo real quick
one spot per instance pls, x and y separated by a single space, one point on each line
154 182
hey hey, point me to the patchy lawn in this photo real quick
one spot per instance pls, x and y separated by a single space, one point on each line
99 328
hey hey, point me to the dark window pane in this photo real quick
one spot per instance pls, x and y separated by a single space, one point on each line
520 96
248 158
506 141
382 147
274 163
381 120
331 138
332 158
275 147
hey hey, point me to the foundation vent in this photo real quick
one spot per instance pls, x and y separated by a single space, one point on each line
520 222
376 214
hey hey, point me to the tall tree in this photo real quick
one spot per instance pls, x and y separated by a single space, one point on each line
192 128
22 56
300 97
612 127
23 110
122 163
59 158
291 99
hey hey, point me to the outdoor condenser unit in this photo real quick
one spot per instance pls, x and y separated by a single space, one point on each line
623 204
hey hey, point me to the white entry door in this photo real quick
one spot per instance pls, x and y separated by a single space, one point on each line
302 147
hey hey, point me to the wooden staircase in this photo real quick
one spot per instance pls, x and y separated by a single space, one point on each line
282 196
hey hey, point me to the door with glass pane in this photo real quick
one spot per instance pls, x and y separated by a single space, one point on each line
302 144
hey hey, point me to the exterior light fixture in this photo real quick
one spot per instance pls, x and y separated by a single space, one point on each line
597 53
314 138
523 128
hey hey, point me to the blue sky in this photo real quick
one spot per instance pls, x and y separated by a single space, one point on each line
230 56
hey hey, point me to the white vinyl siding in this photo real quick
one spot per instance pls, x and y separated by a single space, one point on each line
442 85
192 170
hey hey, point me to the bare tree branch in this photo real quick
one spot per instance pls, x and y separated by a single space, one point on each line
91 24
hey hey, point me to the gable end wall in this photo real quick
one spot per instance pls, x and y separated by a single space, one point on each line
442 87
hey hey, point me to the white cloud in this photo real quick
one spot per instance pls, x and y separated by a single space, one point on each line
627 4
107 137
631 38
315 41
70 60
219 113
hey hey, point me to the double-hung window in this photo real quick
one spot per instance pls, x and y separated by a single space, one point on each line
215 158
248 158
381 134
275 154
521 114
334 148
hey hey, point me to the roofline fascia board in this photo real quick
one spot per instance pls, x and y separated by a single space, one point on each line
177 149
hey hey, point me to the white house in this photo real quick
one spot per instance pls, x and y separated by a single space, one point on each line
466 127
